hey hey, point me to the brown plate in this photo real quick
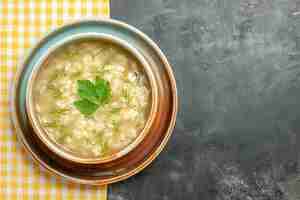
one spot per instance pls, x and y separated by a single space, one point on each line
145 152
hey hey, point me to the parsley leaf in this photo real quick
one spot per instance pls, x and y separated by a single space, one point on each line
92 95
86 90
85 106
103 90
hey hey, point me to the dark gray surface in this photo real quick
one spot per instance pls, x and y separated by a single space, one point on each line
237 65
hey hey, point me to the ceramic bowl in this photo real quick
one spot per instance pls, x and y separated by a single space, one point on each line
161 124
40 131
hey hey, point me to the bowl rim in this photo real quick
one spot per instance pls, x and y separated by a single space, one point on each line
60 149
50 169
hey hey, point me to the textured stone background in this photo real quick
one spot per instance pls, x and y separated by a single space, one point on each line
237 65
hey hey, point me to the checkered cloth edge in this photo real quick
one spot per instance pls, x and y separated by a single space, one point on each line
22 23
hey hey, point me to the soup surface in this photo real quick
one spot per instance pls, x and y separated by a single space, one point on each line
92 97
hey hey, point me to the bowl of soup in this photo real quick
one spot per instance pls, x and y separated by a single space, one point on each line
92 98
94 101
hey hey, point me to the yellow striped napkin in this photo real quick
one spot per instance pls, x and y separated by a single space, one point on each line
22 23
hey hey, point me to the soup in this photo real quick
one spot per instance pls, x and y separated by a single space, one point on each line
92 97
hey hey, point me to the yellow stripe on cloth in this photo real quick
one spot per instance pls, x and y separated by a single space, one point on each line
22 23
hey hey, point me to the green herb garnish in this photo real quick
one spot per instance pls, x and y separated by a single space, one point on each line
101 71
59 111
115 125
76 74
103 90
87 90
126 95
100 140
115 110
58 73
54 91
92 95
85 106
52 124
105 148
